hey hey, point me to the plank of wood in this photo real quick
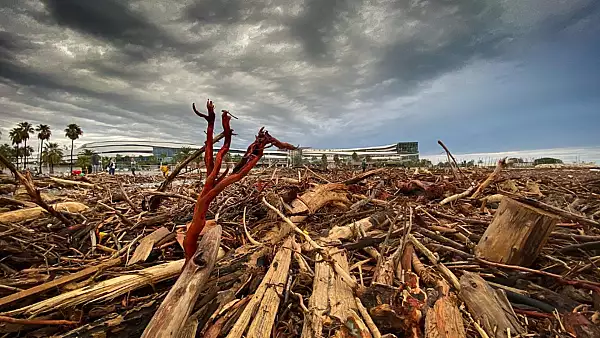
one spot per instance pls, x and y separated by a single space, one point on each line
143 250
57 282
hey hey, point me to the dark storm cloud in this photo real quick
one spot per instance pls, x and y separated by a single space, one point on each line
311 71
107 19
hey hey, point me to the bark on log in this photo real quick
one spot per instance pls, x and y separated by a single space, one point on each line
444 320
175 309
490 308
516 235
37 212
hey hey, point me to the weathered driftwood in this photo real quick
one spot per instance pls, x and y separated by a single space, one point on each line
143 250
37 212
517 234
104 290
33 192
71 183
490 179
488 306
57 282
265 301
350 230
175 309
332 299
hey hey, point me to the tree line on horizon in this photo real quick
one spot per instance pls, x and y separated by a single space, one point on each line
48 152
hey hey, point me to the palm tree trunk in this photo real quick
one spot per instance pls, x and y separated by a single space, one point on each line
72 156
25 155
40 156
17 155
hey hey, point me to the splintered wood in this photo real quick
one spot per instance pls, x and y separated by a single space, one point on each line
332 302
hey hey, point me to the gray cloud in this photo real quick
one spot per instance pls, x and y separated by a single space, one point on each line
309 71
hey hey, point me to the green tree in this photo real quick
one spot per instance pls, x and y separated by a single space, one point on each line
84 159
324 162
336 160
26 128
547 160
73 132
369 158
16 138
44 134
183 153
52 155
7 151
355 157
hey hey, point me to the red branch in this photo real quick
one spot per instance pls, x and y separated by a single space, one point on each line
216 183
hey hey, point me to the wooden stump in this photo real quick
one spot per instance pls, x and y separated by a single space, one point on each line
517 234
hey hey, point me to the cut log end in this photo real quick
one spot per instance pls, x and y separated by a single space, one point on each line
517 234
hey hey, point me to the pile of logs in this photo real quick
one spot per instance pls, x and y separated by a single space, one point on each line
301 252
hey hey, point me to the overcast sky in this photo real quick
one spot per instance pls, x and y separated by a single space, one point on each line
481 75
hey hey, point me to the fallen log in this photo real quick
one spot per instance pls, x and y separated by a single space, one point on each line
175 309
516 235
488 306
105 290
70 183
33 192
57 282
265 298
37 212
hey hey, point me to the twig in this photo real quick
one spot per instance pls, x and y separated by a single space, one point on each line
34 321
317 175
171 194
581 283
252 240
126 197
490 179
367 318
125 220
441 267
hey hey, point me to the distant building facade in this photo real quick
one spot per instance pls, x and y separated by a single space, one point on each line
397 152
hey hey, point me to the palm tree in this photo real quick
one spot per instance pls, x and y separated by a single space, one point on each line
73 132
52 155
44 133
26 129
15 136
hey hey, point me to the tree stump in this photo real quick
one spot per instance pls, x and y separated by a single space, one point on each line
517 234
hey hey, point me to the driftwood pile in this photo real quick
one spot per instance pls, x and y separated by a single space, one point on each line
301 253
